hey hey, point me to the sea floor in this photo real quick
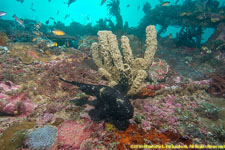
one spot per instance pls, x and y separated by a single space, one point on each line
185 114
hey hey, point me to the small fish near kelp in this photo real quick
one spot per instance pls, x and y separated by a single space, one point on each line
170 36
19 21
2 13
206 49
216 18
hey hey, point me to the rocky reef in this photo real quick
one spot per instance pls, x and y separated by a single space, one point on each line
123 92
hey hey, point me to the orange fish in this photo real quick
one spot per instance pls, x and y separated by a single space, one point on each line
58 32
165 3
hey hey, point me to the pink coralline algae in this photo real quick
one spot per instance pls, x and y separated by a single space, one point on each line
162 113
8 86
3 96
47 117
71 134
146 125
17 105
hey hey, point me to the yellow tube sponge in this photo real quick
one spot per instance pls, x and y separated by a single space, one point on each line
106 74
138 82
95 54
131 73
127 52
151 44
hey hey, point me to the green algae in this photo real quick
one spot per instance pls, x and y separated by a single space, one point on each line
13 137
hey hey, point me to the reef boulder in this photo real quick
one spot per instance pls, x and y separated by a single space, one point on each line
16 105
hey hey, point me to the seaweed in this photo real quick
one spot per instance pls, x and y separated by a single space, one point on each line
192 14
114 10
189 37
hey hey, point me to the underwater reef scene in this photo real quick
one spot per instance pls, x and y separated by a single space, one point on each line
106 85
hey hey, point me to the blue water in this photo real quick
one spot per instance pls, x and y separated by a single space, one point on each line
79 11
82 11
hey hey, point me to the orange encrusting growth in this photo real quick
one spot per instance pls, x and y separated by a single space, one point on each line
146 92
135 135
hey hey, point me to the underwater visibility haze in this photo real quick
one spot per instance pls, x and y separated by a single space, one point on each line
112 74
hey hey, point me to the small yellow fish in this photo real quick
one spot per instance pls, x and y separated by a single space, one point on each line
34 39
221 11
204 48
52 44
185 14
170 36
165 3
208 51
109 127
58 32
15 112
215 19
